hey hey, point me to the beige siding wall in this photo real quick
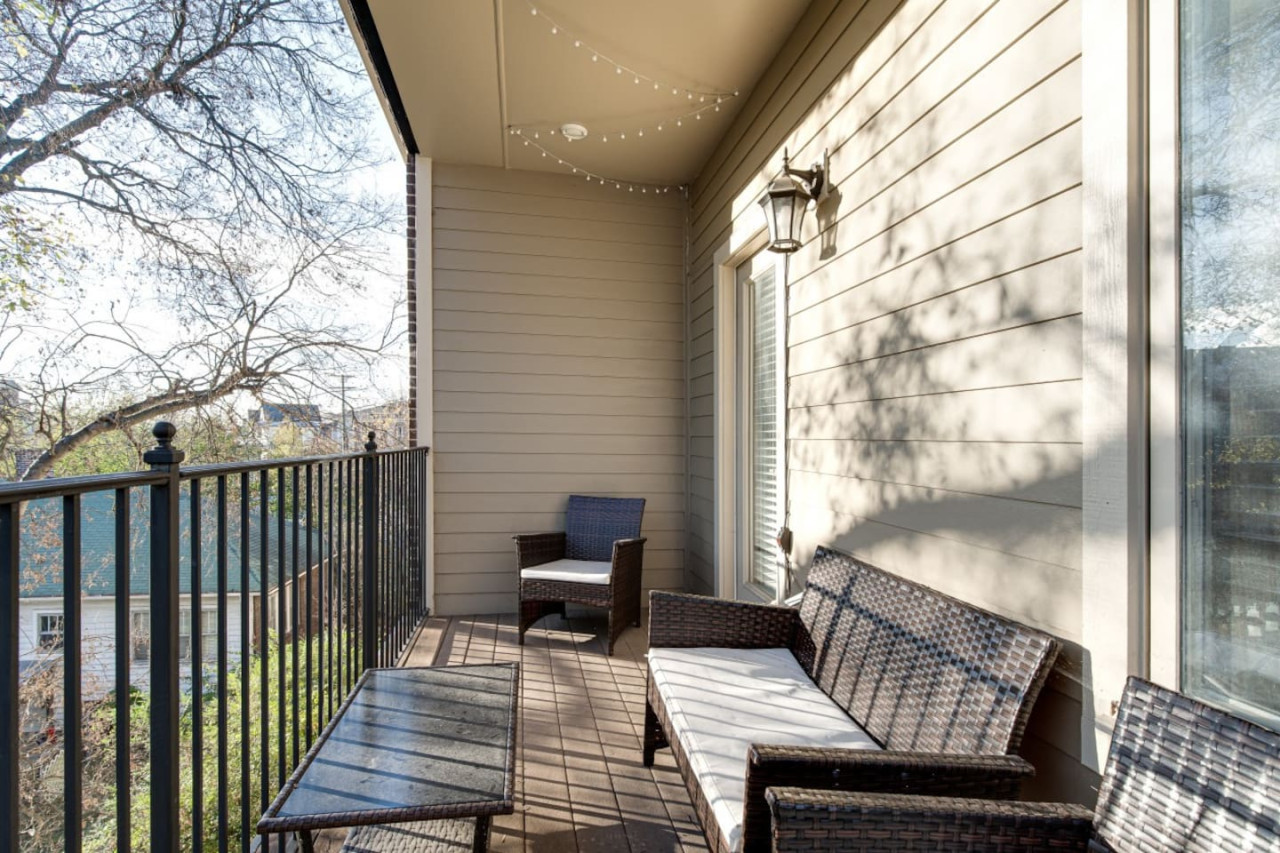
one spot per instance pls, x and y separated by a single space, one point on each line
558 368
934 321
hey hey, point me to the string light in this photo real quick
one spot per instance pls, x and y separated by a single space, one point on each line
622 68
621 134
593 177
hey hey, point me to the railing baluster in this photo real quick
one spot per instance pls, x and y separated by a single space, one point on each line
281 618
123 655
340 594
165 689
293 619
10 709
264 570
311 526
370 561
246 589
224 618
72 705
196 648
332 618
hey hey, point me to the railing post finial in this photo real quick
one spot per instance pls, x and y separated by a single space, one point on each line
371 445
164 454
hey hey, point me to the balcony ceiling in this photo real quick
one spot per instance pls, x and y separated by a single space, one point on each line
466 71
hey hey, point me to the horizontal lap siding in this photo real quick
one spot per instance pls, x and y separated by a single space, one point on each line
934 317
558 338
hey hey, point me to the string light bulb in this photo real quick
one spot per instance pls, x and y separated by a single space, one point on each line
637 76
591 176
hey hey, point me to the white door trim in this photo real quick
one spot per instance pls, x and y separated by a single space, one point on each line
728 256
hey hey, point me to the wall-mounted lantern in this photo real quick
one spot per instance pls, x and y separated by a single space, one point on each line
788 197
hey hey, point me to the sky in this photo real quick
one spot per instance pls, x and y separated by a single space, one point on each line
107 281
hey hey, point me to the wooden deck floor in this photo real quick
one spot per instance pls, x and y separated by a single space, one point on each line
581 784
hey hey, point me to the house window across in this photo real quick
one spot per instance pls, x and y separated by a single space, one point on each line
140 635
49 631
1230 355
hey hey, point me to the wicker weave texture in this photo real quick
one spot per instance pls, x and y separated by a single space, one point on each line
590 521
918 670
435 836
806 820
680 620
593 524
1181 776
1184 776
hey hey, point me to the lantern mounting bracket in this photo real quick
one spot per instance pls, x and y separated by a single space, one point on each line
814 178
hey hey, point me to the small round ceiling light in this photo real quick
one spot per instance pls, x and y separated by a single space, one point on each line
573 132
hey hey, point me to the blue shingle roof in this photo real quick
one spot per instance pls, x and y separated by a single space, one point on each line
42 552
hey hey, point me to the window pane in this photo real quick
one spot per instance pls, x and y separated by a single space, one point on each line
209 633
50 630
1231 354
764 432
141 635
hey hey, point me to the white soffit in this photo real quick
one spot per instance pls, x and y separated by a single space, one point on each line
467 69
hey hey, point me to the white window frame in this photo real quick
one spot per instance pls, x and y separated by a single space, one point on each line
62 634
1115 422
1165 361
729 448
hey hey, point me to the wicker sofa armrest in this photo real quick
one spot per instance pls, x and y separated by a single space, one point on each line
874 771
891 771
534 549
806 819
680 620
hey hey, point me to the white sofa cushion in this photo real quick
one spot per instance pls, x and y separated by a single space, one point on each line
578 571
721 701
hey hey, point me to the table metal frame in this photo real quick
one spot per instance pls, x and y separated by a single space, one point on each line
272 823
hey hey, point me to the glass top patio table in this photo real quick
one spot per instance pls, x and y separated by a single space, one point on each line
409 744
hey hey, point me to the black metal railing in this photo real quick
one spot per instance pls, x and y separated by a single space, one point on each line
176 638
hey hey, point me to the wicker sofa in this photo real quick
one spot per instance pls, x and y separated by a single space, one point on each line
1180 776
873 683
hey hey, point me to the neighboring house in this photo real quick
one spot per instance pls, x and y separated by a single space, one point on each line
388 421
1022 353
41 614
304 419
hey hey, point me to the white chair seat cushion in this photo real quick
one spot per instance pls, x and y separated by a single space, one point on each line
721 701
577 571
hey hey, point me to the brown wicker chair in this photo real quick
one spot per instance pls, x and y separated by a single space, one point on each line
1181 776
596 561
944 687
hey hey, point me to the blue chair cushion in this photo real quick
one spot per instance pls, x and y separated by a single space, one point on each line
592 525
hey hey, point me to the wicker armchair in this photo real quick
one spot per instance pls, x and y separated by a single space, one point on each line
596 561
1181 776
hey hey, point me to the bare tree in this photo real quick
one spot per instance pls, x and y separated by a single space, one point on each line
214 140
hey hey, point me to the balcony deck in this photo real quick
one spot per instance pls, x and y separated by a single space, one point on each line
581 785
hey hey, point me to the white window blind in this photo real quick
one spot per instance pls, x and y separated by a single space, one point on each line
764 431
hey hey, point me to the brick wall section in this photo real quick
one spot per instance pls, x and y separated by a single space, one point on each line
411 285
